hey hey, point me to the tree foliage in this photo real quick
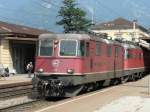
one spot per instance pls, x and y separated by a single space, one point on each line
73 19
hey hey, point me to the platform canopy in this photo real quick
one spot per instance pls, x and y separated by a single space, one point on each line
19 32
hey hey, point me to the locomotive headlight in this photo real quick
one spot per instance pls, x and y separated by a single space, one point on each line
40 70
70 71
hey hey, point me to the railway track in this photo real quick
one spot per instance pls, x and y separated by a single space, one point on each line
28 105
15 90
15 94
12 104
17 98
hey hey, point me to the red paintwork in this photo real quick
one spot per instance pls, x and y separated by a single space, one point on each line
135 61
93 64
83 65
46 63
103 62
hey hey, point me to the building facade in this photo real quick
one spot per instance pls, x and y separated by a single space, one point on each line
123 29
17 46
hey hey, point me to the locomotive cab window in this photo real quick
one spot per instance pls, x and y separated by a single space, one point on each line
46 47
68 48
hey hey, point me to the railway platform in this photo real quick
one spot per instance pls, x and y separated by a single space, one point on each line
17 80
128 97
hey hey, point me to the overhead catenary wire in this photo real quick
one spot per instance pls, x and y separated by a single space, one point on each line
108 8
26 12
55 8
25 15
50 2
22 22
40 4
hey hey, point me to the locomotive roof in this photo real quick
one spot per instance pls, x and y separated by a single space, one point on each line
65 36
130 46
76 36
88 37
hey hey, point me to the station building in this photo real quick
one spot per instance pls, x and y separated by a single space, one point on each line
122 28
18 46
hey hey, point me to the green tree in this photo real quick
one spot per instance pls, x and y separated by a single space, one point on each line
73 19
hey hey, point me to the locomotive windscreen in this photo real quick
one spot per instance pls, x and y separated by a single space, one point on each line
45 47
68 48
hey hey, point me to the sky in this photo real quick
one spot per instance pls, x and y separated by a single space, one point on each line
42 14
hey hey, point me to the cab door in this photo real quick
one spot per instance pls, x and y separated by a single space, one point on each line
92 55
88 62
118 61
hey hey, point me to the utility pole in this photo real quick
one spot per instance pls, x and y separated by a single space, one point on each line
92 12
134 30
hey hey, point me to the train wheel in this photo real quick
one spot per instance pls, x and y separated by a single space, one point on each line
91 87
107 82
124 79
132 77
85 88
140 75
96 85
73 91
115 81
101 83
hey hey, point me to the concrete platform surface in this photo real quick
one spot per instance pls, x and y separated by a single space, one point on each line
19 78
15 101
99 101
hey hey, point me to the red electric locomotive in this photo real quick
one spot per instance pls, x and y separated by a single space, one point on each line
69 63
133 62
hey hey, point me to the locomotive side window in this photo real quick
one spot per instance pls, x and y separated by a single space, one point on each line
87 49
109 51
130 54
117 51
81 50
46 47
98 49
127 54
140 55
68 47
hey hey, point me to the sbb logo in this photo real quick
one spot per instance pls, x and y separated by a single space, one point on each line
55 63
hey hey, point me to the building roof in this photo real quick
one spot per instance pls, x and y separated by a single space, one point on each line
119 23
8 28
